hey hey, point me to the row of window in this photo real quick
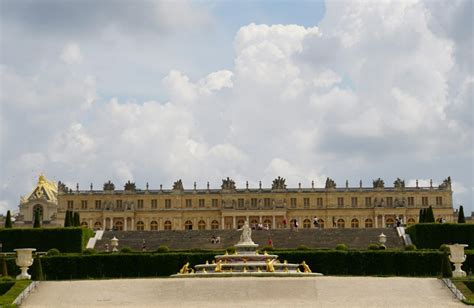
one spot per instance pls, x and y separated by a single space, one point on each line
140 225
369 202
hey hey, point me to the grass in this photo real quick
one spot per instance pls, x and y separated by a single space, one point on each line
6 300
465 285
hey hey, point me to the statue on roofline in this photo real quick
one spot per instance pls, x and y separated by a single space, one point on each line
178 185
228 184
279 184
399 183
330 183
446 183
378 183
130 186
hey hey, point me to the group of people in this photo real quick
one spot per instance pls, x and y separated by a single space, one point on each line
215 239
260 226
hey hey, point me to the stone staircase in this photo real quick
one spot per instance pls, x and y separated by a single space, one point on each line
313 238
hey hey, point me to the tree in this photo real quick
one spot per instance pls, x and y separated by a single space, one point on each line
429 216
461 218
67 219
37 221
422 216
8 220
76 219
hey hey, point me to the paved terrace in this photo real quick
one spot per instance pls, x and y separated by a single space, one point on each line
245 292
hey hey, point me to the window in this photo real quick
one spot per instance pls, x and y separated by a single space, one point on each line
202 203
97 225
215 203
38 210
369 223
321 223
439 200
70 204
201 225
118 225
254 202
188 225
98 204
411 201
354 223
389 201
167 225
84 204
139 204
240 223
189 203
306 223
354 201
424 200
293 202
140 226
240 203
305 204
319 202
368 202
340 202
84 224
341 224
154 225
267 202
214 224
410 221
119 204
389 222
154 204
167 204
267 223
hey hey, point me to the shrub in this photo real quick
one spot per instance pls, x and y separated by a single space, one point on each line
162 249
37 269
5 286
341 247
126 250
267 248
444 248
446 270
410 247
302 247
8 220
53 252
230 250
461 218
373 247
89 251
432 236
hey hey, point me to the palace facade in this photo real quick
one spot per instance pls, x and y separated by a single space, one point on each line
228 207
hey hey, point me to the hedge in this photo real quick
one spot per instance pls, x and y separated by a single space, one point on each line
43 239
327 262
432 236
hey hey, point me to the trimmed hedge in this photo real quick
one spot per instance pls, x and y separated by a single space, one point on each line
432 236
43 239
328 262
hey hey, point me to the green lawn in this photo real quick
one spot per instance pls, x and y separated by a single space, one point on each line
466 286
6 300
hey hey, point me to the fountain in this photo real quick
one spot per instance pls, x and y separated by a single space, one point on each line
246 261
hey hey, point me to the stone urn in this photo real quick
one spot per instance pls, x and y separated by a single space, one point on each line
457 257
24 259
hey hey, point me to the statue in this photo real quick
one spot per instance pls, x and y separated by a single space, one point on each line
129 186
270 267
399 183
330 184
218 267
378 183
446 183
305 266
246 236
228 184
279 184
109 186
178 185
185 269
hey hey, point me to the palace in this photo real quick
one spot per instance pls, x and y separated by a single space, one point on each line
228 207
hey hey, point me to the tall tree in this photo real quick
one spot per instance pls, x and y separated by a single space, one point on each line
461 218
8 220
77 219
422 214
429 216
67 221
37 222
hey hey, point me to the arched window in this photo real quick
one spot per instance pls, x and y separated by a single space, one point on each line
188 225
84 224
354 223
389 222
240 223
214 225
253 223
201 225
267 223
97 225
411 221
321 223
118 225
306 224
167 225
369 223
108 224
38 210
154 226
140 225
341 224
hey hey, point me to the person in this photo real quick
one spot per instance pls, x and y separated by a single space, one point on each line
316 222
143 245
284 223
334 222
296 225
398 221
213 239
218 240
270 242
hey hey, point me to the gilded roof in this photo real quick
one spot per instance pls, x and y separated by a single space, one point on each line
44 190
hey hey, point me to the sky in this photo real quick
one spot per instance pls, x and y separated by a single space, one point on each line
155 91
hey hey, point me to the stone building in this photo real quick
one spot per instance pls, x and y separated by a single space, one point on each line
229 206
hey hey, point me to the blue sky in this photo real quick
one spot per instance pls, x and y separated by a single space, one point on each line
153 91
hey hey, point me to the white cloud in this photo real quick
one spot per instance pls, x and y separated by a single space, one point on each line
71 53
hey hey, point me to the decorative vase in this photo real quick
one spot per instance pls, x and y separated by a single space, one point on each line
457 257
24 259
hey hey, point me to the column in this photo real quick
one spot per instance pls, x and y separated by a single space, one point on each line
274 222
222 223
376 221
132 227
259 219
103 223
125 224
383 221
234 225
91 225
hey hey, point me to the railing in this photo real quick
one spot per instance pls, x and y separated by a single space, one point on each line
448 283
